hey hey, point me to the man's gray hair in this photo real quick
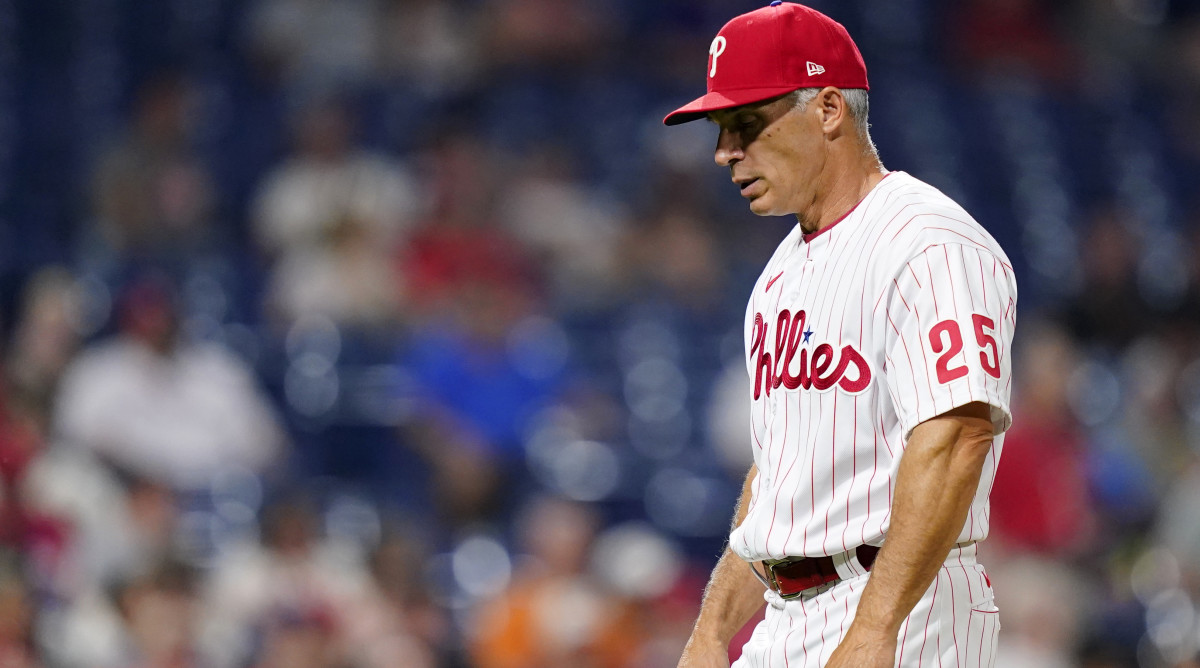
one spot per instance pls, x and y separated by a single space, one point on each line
857 104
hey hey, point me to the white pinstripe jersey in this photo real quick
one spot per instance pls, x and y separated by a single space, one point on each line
902 310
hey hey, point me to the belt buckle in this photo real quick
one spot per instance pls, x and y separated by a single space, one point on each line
771 581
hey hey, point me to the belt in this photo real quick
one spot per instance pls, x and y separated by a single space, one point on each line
792 577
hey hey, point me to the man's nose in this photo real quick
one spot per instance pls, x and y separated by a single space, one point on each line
729 149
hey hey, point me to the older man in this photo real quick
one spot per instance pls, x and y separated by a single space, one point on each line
877 340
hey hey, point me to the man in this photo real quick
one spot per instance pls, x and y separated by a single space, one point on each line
878 342
175 412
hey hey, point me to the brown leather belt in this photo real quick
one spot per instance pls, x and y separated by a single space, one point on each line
792 577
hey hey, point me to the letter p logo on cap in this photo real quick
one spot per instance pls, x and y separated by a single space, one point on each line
716 49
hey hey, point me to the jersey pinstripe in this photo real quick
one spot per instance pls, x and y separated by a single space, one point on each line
900 311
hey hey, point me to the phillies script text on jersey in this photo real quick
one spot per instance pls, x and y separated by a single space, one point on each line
813 372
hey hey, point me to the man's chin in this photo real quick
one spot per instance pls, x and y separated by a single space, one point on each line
761 206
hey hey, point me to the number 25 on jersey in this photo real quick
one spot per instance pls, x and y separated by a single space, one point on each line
946 339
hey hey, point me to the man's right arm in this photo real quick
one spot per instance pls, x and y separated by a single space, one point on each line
731 598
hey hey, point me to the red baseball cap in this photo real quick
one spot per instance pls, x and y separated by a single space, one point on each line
773 51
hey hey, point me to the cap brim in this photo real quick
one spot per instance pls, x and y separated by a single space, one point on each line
714 101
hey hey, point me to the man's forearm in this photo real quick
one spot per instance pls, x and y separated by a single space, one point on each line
935 485
732 597
733 594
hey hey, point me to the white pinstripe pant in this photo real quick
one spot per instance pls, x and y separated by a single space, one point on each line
954 625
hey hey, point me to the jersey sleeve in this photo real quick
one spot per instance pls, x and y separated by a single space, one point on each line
951 314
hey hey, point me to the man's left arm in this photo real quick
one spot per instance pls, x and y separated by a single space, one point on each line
935 484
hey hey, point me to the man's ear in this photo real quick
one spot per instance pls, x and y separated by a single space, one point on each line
832 106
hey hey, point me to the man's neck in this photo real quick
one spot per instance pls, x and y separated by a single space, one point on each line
845 188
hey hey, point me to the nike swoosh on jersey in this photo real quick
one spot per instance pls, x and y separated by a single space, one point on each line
772 281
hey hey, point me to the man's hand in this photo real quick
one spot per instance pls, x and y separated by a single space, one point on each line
702 653
732 597
863 650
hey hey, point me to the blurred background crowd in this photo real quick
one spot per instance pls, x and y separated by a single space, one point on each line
400 333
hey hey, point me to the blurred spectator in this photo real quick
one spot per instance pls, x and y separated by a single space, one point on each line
657 598
1151 370
1040 499
121 524
121 530
44 340
330 218
479 380
1042 610
311 598
46 337
460 246
1178 578
1110 310
674 256
159 611
554 613
410 613
314 44
39 535
1119 41
303 639
167 409
1178 529
573 231
144 617
152 196
1009 38
18 612
544 35
432 43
